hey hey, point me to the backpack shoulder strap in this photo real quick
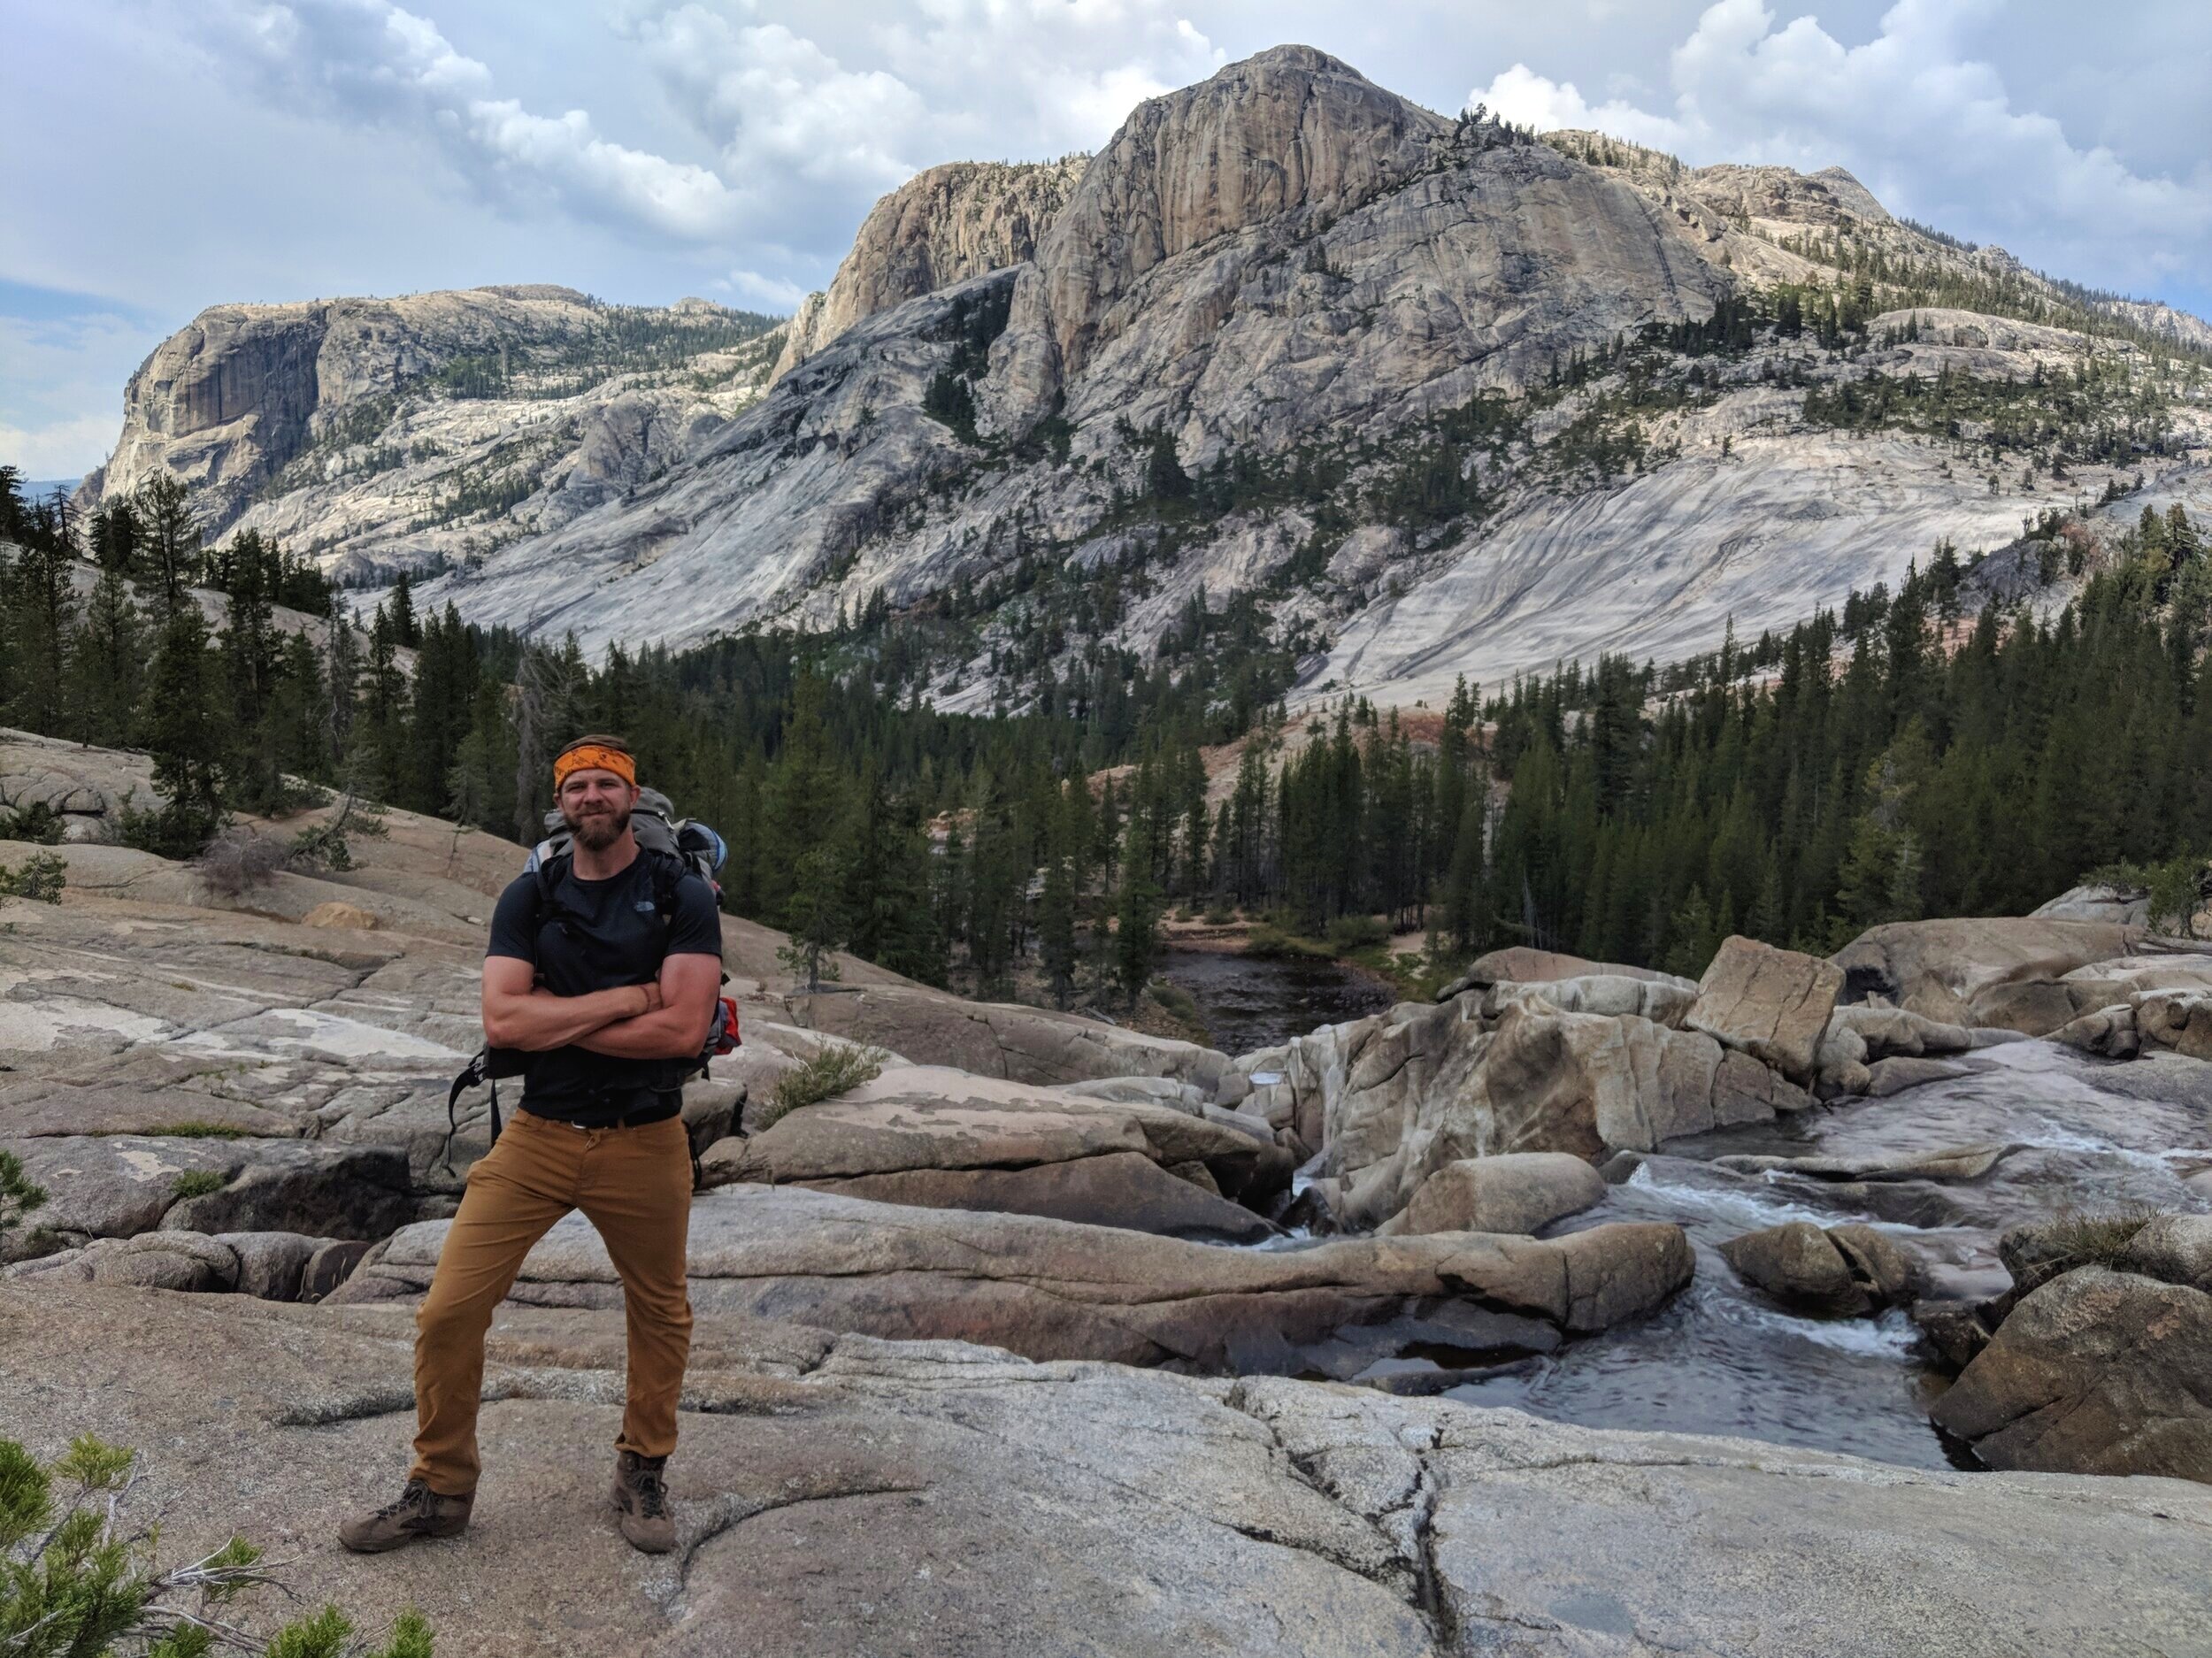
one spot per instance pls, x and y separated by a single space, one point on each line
548 872
668 872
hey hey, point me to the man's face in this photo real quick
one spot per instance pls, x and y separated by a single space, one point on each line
596 806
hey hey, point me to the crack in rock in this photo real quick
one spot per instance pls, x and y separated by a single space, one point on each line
728 1516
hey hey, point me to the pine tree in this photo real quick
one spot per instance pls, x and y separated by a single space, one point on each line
814 914
253 660
547 686
168 539
1055 929
1695 937
41 602
444 692
887 895
342 686
107 665
1164 479
379 764
185 725
405 629
1136 928
469 781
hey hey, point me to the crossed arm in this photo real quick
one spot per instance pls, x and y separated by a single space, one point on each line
666 1019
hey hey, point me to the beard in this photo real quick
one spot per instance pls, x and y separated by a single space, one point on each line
596 828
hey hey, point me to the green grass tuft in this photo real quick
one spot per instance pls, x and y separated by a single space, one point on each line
2095 1240
196 1183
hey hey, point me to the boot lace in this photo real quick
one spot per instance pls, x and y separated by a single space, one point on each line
652 1490
416 1497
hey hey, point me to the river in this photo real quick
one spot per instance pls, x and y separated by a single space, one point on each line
1254 1002
2083 1135
2079 1134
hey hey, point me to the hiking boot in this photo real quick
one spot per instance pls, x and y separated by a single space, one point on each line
419 1512
640 1503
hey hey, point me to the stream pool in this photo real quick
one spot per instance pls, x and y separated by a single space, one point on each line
1254 1002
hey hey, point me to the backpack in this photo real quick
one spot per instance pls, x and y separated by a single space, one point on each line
672 848
658 828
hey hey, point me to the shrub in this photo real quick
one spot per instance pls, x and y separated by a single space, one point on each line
2095 1240
42 876
1269 940
169 831
1348 934
19 1194
196 1183
2175 889
839 1067
37 822
322 847
1174 998
74 1581
238 860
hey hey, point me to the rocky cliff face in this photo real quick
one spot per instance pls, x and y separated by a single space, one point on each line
370 429
1440 392
1288 249
941 227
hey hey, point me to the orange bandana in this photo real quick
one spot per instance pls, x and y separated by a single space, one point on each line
592 756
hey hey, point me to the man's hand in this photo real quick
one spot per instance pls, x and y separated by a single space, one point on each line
676 1027
517 1015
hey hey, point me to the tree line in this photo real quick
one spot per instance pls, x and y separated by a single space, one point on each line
1912 756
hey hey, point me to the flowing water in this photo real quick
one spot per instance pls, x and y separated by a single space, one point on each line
2078 1135
2083 1134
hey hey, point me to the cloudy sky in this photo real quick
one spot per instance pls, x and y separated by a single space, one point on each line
165 155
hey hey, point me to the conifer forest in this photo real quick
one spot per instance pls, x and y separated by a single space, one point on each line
1939 750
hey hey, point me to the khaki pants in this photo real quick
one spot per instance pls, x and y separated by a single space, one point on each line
635 1186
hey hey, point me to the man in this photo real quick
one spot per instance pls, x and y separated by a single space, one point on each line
604 969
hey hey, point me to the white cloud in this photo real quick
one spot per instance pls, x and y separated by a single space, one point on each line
374 61
768 292
61 384
777 125
66 448
1527 99
797 130
1930 129
817 125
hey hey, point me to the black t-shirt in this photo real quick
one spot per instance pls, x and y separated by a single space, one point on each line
595 935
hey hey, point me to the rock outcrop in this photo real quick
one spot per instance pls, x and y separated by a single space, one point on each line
1397 1097
941 228
1997 971
836 1493
118 1186
337 422
1771 1004
270 1266
1283 260
942 1138
1522 1192
2094 1372
1051 1290
1841 1273
998 1039
1523 964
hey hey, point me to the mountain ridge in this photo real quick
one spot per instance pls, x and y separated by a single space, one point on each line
1417 350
